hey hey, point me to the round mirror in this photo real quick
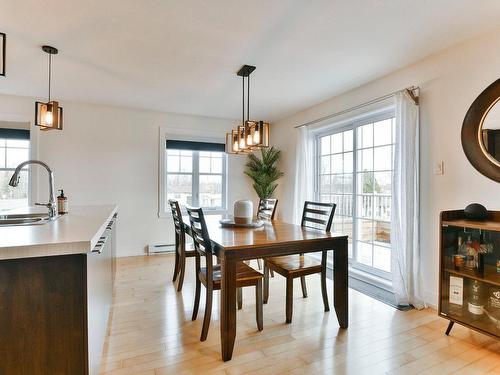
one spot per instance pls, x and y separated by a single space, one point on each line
481 132
490 133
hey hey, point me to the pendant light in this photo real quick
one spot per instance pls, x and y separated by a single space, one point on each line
249 135
49 115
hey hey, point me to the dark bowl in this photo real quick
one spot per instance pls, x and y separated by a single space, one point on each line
476 211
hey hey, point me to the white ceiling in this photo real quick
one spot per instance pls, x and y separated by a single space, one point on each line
182 56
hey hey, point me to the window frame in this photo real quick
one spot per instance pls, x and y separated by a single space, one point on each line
352 124
195 179
25 169
189 136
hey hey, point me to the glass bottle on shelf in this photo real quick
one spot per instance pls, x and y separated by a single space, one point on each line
470 262
492 309
461 249
461 255
476 305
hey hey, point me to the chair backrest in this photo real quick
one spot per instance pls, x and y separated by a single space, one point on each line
180 233
267 209
201 240
318 215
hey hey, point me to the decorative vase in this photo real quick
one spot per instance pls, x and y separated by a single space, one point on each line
476 211
243 211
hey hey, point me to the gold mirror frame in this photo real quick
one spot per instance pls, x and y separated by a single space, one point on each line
472 141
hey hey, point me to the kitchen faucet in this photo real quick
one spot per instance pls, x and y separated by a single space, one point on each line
14 181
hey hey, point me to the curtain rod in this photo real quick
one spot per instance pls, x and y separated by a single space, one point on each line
409 91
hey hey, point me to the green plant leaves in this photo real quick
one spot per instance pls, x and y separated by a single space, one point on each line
264 172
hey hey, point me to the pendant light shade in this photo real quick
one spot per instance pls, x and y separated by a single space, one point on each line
229 143
257 133
234 139
242 138
49 115
249 135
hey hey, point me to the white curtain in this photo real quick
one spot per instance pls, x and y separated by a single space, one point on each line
407 281
304 171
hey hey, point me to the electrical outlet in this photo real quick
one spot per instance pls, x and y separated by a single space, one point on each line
439 167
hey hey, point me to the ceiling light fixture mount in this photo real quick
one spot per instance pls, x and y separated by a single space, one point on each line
249 135
245 71
50 50
49 115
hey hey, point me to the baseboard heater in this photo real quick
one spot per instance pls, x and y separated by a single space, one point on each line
159 249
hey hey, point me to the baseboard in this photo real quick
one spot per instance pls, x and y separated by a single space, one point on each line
130 251
431 299
160 249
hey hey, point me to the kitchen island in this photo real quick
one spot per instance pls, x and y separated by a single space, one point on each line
56 285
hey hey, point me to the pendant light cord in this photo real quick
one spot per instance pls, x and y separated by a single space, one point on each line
248 98
50 71
243 110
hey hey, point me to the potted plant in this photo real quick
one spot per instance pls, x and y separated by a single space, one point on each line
264 171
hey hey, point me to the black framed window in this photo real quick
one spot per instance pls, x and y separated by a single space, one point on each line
195 174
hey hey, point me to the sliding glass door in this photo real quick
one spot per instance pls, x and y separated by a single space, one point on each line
355 166
336 179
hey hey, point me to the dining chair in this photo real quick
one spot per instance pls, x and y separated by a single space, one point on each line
267 208
182 251
266 211
210 275
315 215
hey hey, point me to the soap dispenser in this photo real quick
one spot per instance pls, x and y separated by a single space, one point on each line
62 203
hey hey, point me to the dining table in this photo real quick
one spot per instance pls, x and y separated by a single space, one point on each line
274 238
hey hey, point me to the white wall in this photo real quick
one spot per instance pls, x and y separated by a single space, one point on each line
449 83
110 155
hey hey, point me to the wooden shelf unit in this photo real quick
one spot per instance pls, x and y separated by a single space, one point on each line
452 225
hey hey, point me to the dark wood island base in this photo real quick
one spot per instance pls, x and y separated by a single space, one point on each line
54 311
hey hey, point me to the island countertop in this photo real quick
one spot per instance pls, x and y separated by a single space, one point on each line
74 233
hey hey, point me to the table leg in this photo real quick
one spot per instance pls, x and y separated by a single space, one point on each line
340 283
228 308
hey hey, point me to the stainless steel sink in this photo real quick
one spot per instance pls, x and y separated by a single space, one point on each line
25 219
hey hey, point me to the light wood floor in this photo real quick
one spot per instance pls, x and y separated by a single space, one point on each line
151 333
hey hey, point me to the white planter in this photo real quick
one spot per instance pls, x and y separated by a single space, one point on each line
243 211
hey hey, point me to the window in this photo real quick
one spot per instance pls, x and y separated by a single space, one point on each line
195 174
13 151
355 168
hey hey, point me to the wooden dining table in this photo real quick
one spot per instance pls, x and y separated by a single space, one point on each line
274 238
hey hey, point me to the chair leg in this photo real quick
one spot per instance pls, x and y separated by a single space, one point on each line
304 287
239 296
182 269
266 282
208 313
289 299
324 290
197 289
259 309
176 266
259 264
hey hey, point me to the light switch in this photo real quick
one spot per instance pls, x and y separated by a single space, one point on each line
439 167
